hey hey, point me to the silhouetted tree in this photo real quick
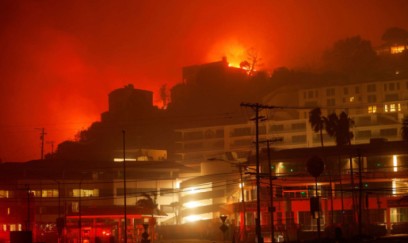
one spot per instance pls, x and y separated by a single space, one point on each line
149 204
353 56
395 35
339 128
317 121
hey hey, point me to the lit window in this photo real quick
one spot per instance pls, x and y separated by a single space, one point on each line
399 106
4 194
385 108
372 109
75 207
392 108
50 193
397 49
351 99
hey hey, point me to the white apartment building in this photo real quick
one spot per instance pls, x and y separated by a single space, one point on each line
377 109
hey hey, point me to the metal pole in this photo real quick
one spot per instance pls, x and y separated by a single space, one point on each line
258 184
28 208
124 187
360 195
318 211
243 231
59 207
272 209
80 213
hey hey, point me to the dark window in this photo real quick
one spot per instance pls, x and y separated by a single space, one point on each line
299 126
299 139
391 97
371 98
388 132
277 127
371 88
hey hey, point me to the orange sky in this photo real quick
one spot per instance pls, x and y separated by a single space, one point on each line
60 59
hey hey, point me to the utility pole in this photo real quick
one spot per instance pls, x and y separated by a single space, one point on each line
272 208
124 187
42 137
243 229
257 107
28 228
360 195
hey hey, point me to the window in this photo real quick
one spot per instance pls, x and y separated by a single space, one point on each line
299 126
75 207
364 134
371 88
330 92
277 127
241 131
351 99
392 108
371 98
299 139
372 109
4 194
391 86
331 102
391 97
397 49
311 104
310 94
85 192
398 215
49 193
193 135
388 132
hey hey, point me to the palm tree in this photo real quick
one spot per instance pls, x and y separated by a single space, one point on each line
404 128
339 128
148 204
317 121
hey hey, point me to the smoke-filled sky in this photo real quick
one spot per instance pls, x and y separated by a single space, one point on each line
60 59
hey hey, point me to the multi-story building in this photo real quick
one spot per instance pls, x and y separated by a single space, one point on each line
88 197
377 109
